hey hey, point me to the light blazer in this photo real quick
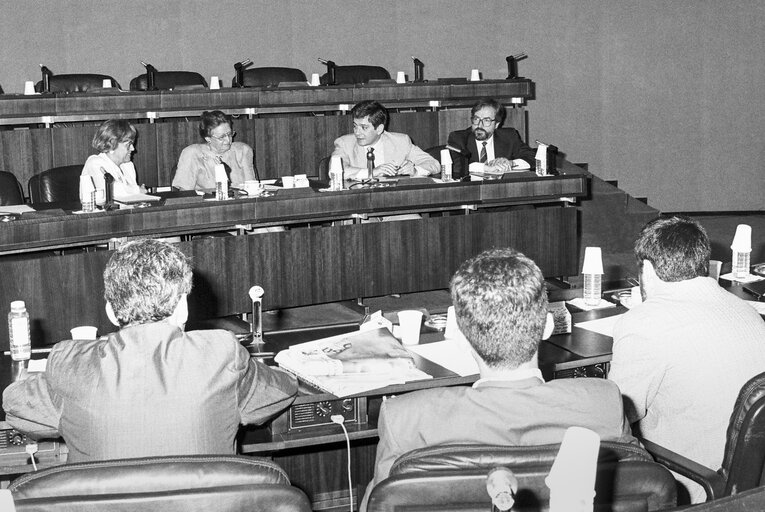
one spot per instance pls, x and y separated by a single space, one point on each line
397 147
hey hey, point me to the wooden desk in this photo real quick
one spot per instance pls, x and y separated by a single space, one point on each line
312 262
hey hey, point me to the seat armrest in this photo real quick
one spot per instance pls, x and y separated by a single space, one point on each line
712 482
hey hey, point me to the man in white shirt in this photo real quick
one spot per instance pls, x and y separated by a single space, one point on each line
500 304
392 154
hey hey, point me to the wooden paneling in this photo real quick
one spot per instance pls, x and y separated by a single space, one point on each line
25 153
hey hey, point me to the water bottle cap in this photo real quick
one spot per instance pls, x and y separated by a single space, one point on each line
593 262
18 305
742 241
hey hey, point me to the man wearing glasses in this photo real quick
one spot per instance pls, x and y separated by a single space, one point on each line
391 154
486 142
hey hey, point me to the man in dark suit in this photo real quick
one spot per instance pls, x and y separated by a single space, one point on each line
484 141
500 304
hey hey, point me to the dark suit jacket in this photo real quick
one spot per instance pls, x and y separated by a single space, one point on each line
507 144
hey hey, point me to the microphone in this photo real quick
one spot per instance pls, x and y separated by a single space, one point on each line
331 71
501 484
463 152
150 76
256 325
512 64
418 69
46 74
239 68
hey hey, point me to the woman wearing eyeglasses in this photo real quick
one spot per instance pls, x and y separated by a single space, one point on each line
196 165
115 141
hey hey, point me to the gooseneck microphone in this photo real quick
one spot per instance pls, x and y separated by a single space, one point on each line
150 76
419 68
512 64
256 323
239 69
46 74
331 71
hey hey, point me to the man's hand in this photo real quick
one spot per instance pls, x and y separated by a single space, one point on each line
500 165
406 169
387 169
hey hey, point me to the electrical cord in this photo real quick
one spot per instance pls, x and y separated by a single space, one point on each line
337 418
31 449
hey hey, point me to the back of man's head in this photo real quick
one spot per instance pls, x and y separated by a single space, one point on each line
378 115
677 247
144 280
500 303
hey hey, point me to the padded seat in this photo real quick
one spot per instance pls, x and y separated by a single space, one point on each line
10 190
453 477
165 80
184 483
356 74
270 76
78 82
59 184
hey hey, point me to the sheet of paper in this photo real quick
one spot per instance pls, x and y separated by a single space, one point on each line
450 354
37 365
603 326
16 208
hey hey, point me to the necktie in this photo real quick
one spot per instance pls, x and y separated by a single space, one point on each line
483 154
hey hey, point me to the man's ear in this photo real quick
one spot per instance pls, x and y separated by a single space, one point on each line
549 326
380 128
110 314
181 312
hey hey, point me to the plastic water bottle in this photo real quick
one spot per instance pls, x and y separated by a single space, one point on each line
741 265
592 290
741 249
18 329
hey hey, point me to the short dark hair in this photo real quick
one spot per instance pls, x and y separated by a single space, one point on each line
211 120
500 302
111 133
144 280
490 102
378 115
677 247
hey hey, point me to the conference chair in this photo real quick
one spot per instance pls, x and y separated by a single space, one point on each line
744 456
453 477
226 483
752 500
356 74
165 80
270 76
10 189
59 184
77 82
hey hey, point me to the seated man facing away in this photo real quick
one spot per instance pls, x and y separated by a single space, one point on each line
681 357
393 153
150 388
485 142
500 303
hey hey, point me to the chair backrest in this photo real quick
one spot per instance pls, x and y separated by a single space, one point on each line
59 184
270 76
744 457
356 74
10 189
77 82
165 80
197 482
454 477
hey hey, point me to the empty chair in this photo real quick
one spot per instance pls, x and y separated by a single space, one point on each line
59 184
356 74
79 82
10 189
453 477
165 80
744 455
270 76
189 483
459 161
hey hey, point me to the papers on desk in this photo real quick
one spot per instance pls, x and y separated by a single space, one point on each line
37 365
451 354
351 363
16 208
136 198
750 278
603 326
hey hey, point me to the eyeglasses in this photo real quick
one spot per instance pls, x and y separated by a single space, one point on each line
221 138
485 121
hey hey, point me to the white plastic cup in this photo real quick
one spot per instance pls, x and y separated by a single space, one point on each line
106 83
214 82
475 76
252 187
400 77
714 269
29 87
410 322
87 194
84 332
315 79
288 182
